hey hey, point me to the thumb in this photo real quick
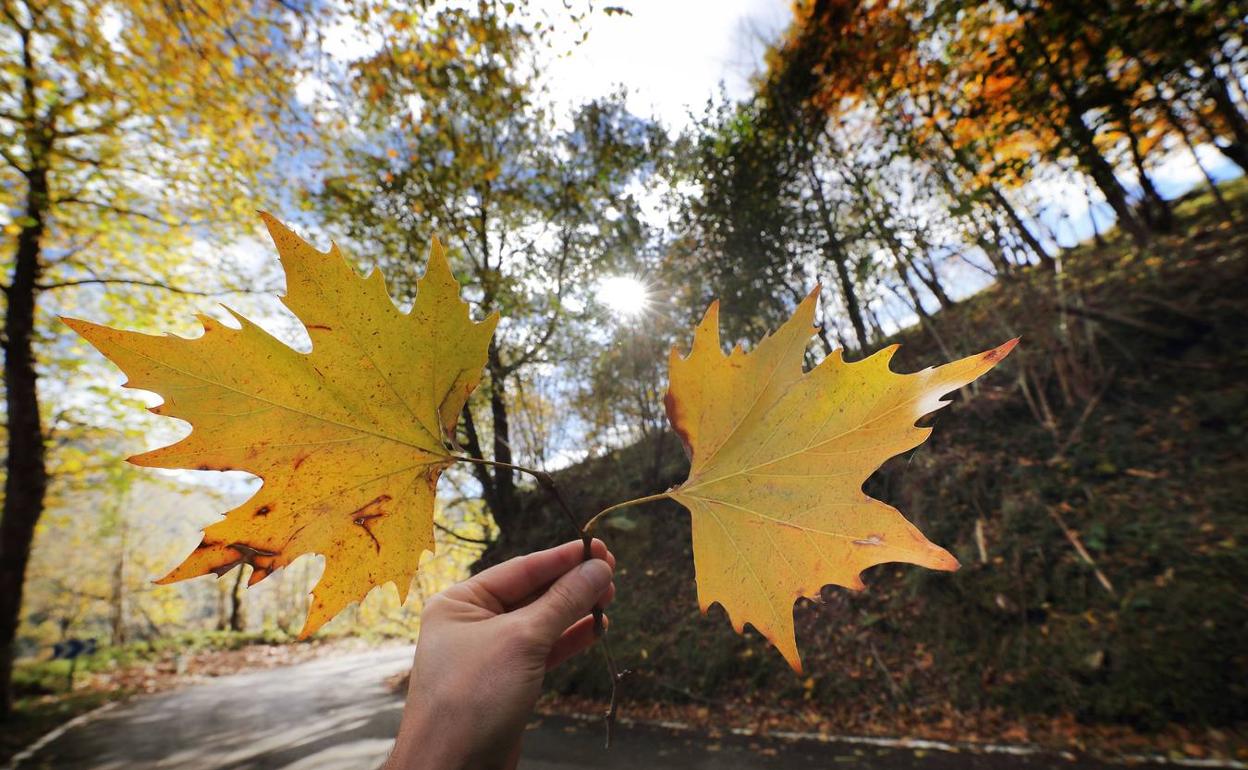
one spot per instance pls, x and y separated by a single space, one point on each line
568 600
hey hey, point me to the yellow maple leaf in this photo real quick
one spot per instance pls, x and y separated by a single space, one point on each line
779 458
349 439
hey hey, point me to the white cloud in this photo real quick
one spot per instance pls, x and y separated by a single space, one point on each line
671 56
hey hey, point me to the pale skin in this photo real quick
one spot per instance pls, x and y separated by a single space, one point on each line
485 645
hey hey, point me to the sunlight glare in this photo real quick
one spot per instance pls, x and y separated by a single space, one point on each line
625 296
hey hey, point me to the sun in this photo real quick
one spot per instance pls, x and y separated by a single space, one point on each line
625 296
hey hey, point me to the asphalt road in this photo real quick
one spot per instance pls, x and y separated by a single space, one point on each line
336 713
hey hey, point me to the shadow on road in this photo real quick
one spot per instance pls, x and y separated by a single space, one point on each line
337 713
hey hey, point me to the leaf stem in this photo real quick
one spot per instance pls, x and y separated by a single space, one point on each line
589 525
548 483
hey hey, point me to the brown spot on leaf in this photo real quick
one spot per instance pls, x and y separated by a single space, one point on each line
251 552
674 417
263 510
322 327
361 518
224 568
256 557
998 353
362 522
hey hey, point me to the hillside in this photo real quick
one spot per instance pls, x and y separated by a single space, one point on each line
1092 487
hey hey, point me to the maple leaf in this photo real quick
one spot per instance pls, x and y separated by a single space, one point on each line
349 439
778 460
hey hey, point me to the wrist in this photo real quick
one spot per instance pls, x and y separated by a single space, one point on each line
447 738
422 746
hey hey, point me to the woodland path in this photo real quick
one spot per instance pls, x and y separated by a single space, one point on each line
336 713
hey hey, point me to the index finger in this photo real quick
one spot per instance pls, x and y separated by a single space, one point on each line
516 579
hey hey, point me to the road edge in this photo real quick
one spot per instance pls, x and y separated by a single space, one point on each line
57 732
924 744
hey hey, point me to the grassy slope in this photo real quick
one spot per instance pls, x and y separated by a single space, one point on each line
1145 385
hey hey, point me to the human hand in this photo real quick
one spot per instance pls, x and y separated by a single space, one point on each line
484 646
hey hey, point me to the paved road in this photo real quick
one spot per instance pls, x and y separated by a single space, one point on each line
336 714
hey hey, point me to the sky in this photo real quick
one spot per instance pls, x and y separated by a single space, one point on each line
671 55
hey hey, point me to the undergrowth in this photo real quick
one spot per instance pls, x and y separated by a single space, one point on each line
1092 487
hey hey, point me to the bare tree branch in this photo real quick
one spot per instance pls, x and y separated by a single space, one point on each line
457 536
150 284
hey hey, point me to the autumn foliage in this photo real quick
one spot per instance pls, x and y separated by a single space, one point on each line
778 459
946 174
351 438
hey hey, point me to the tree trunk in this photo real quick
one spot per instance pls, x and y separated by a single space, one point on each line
829 347
915 300
481 472
1156 210
507 510
1103 175
876 326
835 253
660 454
930 277
1033 243
1096 228
1178 126
1233 151
1079 137
925 318
223 618
900 253
998 197
26 473
1236 150
991 250
1153 208
848 294
237 620
929 280
118 610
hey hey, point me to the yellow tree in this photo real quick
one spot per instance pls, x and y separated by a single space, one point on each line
123 126
453 136
906 64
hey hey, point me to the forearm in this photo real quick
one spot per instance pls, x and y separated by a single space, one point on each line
441 739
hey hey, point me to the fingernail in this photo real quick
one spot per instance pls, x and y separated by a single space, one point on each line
597 573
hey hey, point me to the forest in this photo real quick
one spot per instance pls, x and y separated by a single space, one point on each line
950 175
